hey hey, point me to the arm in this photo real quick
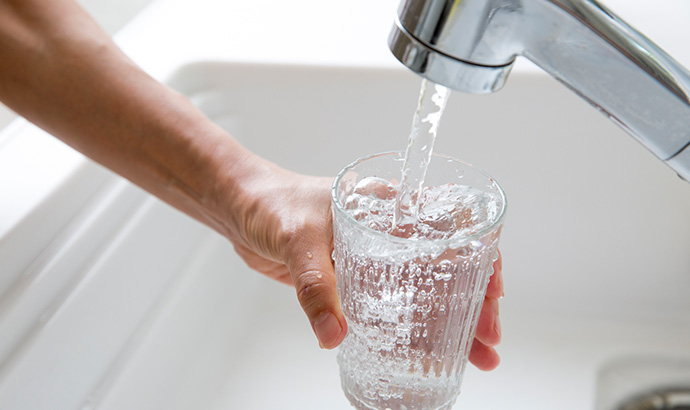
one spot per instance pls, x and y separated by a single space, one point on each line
59 70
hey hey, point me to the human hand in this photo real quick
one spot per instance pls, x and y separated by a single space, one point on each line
281 225
285 232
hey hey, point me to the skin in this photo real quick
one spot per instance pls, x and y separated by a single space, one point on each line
59 70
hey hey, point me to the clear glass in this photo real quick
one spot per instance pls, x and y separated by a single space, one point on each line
411 304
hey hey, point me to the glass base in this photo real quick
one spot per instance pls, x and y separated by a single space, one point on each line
359 404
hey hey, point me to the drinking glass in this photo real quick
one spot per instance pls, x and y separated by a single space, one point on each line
411 304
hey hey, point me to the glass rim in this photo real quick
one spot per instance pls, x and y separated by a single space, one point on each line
453 239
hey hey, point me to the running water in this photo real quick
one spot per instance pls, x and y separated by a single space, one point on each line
410 209
420 145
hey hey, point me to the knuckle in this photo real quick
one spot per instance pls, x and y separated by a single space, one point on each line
310 286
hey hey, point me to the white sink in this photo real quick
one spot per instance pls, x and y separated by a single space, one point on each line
136 306
595 245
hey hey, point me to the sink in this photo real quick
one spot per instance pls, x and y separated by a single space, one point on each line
644 383
139 307
595 242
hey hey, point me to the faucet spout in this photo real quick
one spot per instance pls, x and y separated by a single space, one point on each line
471 45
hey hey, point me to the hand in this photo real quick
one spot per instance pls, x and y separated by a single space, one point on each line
285 232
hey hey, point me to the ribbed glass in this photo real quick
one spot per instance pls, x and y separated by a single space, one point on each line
411 304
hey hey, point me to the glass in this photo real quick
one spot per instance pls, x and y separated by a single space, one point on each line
411 304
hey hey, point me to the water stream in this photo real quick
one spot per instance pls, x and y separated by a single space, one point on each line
420 145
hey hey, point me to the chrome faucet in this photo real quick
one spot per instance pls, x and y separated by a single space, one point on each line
471 45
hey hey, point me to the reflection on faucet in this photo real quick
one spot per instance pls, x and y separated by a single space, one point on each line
470 45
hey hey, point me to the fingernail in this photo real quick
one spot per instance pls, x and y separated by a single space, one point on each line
327 329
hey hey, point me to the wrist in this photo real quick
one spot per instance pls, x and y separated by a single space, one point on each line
242 181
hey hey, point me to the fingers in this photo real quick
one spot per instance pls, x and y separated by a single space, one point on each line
314 280
484 357
489 326
488 334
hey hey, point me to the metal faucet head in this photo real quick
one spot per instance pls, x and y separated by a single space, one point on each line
470 45
435 39
441 69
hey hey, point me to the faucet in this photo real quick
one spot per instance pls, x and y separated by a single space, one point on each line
471 45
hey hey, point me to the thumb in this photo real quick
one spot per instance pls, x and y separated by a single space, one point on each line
314 278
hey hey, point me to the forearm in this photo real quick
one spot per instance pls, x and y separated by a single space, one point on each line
62 72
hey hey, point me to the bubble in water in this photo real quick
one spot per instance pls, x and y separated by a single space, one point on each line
375 187
444 210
